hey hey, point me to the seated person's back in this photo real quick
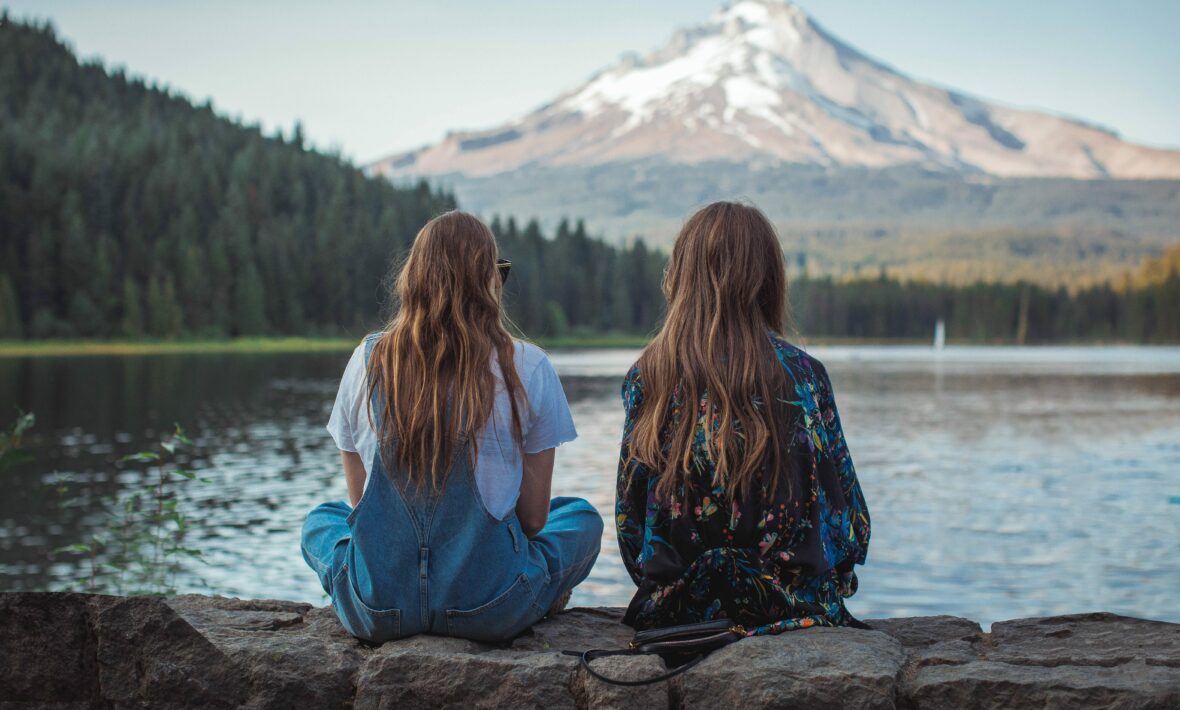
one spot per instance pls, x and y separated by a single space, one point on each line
737 497
447 428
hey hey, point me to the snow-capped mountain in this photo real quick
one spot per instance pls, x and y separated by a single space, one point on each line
761 82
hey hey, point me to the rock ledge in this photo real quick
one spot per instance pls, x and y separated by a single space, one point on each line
81 650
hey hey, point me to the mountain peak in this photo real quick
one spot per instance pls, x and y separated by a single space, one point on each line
756 13
760 80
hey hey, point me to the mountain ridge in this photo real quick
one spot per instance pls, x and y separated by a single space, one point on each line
761 81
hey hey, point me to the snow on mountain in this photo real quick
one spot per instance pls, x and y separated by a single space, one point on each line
760 81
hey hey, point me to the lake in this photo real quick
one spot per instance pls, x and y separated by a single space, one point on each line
1002 482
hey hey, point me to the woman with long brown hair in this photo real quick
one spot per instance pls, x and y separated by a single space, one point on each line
447 428
737 497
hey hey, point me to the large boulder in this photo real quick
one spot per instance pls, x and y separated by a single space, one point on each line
1095 660
122 651
813 668
78 650
48 651
290 654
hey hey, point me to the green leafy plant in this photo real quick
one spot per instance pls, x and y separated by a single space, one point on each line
11 453
142 547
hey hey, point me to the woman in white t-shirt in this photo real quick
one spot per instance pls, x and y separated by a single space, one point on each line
447 428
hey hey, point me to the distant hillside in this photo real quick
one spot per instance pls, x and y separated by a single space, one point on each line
915 222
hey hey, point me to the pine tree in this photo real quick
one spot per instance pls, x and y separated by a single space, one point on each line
249 317
84 316
157 312
10 320
172 317
132 323
555 324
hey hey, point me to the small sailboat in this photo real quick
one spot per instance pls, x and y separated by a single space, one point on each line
940 335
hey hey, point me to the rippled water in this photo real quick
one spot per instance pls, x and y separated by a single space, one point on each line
1002 482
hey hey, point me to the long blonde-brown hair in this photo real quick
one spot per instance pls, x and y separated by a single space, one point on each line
431 370
726 287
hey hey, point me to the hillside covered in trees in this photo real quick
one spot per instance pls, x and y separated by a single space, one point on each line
127 211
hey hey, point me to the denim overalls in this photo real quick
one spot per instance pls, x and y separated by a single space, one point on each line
408 561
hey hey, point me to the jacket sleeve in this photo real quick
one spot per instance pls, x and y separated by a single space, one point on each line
631 486
837 450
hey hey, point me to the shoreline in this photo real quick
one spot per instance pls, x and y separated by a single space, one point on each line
258 345
300 344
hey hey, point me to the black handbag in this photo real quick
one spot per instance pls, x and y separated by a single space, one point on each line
681 646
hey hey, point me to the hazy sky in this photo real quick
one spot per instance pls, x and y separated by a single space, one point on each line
375 77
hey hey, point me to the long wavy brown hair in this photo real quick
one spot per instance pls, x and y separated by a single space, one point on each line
726 287
431 370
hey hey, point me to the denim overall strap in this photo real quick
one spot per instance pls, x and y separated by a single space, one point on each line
391 514
420 514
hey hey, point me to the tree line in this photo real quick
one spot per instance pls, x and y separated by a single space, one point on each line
127 211
573 283
1143 311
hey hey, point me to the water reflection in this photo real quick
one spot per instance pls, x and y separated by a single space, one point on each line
1002 482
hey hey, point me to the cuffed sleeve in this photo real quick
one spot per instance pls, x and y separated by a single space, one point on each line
341 422
550 421
837 449
631 485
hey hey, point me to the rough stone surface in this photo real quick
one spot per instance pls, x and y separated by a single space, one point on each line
47 648
1084 640
290 654
429 676
921 631
1081 660
814 668
78 650
589 692
103 650
988 684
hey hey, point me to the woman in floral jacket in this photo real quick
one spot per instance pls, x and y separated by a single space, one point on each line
737 497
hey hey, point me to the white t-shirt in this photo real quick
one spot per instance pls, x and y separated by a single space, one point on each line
498 471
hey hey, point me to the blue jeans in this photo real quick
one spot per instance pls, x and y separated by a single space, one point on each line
395 565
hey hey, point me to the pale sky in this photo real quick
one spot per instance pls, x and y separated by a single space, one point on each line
371 78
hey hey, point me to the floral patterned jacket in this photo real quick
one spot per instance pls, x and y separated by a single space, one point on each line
770 563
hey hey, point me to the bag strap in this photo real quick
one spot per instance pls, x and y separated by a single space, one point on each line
856 623
587 656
